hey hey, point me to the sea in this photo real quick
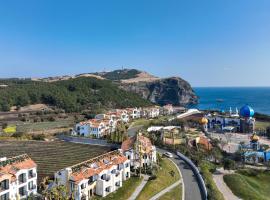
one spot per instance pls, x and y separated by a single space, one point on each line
224 98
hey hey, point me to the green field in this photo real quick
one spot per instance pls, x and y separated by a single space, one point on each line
249 184
10 129
43 126
51 156
164 179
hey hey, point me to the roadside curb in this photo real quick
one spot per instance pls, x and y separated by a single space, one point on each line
182 180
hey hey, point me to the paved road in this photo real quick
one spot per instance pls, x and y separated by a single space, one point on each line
192 189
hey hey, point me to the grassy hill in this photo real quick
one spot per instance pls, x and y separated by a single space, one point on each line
249 184
72 95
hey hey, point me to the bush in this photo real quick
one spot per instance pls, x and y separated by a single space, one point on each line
153 177
17 134
39 137
229 164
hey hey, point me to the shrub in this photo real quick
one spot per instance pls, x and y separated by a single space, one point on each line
39 137
17 134
229 164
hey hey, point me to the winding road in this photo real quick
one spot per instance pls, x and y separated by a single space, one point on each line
192 189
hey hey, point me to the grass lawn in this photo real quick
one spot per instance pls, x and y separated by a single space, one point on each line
40 126
124 192
174 194
51 156
261 125
163 180
249 184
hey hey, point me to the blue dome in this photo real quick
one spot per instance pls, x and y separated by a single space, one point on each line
246 111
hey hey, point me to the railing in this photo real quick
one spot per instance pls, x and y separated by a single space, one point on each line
196 173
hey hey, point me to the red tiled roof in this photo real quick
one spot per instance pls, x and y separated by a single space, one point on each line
144 141
86 170
12 165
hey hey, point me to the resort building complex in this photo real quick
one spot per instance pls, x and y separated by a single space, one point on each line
104 124
140 151
233 122
98 176
18 177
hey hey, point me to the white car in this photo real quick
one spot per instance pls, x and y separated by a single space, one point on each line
168 154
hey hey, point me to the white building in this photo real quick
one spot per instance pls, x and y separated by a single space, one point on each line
18 177
150 112
98 176
140 151
95 127
134 113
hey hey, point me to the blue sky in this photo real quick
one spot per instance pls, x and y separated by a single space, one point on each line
208 43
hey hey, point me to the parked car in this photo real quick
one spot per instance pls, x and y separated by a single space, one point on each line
168 154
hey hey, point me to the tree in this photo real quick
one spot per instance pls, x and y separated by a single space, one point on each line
217 155
229 164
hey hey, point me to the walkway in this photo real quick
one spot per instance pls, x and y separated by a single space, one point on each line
160 194
139 188
223 188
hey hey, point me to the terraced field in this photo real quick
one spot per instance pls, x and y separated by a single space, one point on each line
51 156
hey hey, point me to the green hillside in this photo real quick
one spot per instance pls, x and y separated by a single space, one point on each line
121 74
72 95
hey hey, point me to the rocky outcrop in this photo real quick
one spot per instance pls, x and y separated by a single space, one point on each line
172 90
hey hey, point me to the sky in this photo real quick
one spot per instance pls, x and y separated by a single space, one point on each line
208 43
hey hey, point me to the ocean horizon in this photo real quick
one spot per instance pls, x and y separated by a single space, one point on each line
224 98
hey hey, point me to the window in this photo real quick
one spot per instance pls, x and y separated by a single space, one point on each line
4 185
128 157
71 186
31 186
117 184
22 191
83 186
103 177
31 174
91 180
107 189
4 196
22 178
127 165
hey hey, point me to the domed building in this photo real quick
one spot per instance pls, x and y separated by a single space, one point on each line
247 122
247 112
204 122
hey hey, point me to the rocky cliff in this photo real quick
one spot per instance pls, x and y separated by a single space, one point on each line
172 90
